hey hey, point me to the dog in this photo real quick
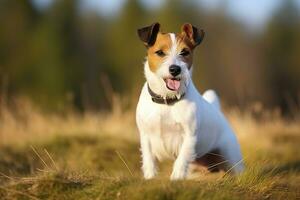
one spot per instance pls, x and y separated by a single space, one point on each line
173 119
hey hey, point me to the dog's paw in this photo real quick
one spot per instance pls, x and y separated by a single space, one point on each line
180 170
179 173
149 175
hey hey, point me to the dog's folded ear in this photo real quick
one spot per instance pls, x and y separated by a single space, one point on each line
196 36
148 34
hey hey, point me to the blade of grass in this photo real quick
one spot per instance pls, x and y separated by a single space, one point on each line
40 157
54 164
233 167
121 158
225 161
4 175
19 192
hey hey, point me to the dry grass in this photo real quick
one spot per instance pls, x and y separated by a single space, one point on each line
96 156
26 122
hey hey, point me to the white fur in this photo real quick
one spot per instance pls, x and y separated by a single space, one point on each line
190 128
211 97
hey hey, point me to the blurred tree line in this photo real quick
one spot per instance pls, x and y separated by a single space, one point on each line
62 55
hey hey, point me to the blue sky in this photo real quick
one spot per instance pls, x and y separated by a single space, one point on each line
253 13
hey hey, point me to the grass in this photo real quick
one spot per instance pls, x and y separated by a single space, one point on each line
96 156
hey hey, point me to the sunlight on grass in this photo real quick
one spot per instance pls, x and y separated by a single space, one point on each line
96 156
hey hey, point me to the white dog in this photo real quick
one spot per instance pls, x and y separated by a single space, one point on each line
173 119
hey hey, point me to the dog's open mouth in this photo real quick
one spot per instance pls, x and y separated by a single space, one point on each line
173 83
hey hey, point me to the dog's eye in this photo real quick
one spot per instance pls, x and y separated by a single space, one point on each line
160 53
184 52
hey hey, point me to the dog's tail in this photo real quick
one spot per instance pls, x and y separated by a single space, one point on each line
211 97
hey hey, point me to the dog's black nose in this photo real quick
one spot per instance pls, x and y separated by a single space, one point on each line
174 70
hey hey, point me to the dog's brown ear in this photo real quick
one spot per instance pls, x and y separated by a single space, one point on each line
148 34
196 36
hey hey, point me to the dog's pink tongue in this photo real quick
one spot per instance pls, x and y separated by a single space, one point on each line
173 84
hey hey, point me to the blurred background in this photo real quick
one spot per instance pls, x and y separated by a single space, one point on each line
71 72
85 54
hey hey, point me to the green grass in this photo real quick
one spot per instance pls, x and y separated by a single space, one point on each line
90 166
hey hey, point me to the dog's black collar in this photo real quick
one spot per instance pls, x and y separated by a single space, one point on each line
161 100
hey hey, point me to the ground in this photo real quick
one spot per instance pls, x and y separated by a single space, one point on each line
96 156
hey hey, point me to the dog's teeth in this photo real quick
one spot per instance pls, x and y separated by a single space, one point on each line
178 96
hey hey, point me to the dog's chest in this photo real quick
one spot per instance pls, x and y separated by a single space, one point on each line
169 123
162 119
165 132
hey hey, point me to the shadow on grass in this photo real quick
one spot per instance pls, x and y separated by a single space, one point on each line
293 167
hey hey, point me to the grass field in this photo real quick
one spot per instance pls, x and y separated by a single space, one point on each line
96 156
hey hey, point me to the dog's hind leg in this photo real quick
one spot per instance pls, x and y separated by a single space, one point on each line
231 153
212 161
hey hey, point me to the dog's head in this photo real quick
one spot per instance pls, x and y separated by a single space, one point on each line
169 57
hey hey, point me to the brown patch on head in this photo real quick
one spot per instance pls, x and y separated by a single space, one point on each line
193 34
163 43
185 48
157 52
187 40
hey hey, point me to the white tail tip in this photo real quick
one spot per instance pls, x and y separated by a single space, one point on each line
211 97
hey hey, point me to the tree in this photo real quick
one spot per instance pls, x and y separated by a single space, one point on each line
282 50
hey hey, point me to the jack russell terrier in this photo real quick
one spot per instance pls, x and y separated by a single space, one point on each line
173 119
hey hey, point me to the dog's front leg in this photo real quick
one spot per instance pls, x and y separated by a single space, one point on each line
149 166
186 155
